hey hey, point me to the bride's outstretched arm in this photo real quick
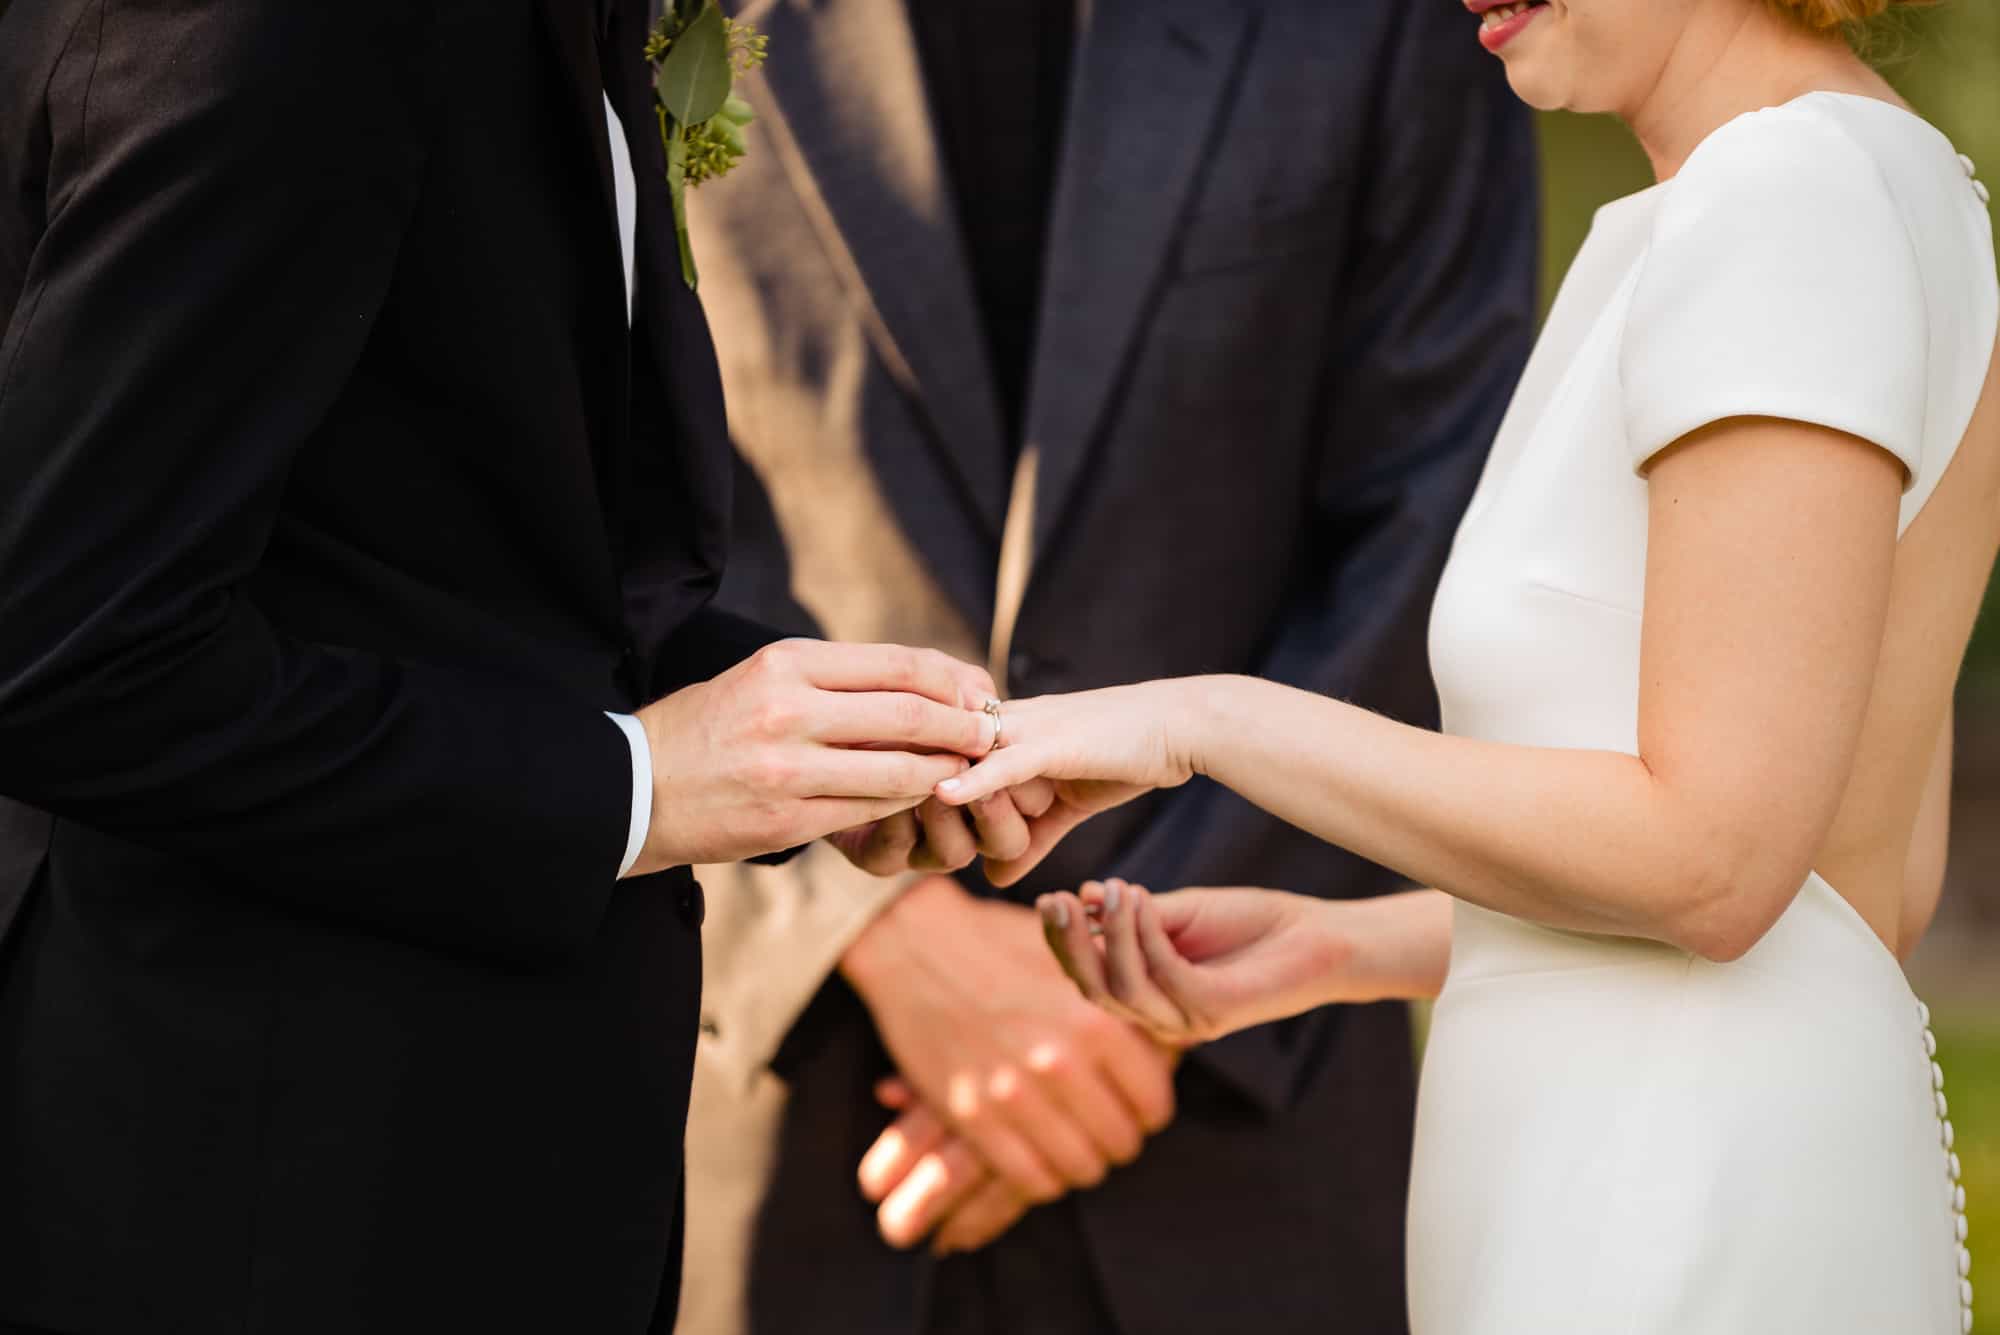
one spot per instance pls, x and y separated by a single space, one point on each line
1770 555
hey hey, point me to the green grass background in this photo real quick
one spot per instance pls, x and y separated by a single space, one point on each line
1946 61
1969 1050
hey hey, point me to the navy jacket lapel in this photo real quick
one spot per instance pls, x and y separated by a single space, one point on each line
1153 78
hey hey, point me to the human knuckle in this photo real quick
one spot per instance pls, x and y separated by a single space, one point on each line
775 658
1053 1060
775 715
772 771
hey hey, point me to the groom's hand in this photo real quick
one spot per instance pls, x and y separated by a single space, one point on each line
799 740
1048 1091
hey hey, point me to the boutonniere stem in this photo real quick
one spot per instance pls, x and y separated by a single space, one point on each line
697 52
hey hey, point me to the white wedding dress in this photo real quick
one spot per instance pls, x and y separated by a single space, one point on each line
1614 1137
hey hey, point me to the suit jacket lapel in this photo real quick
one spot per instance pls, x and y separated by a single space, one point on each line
1152 77
848 111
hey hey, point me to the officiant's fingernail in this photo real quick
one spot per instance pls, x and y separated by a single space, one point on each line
1055 911
1111 889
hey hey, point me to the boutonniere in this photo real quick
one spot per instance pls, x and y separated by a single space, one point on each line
697 52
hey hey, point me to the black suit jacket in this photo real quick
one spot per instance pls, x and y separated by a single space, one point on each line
1289 287
337 504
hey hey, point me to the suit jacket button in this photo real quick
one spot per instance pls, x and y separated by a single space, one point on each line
693 907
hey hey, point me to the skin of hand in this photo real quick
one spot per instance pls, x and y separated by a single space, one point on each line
938 837
1771 546
926 1180
1199 963
803 739
1046 1089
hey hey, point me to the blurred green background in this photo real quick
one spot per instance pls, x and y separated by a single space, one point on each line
1946 62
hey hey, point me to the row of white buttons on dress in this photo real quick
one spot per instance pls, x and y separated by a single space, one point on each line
1954 1188
1972 175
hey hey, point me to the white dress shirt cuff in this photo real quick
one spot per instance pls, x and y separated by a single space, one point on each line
642 787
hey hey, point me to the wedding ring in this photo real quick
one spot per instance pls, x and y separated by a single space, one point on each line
992 711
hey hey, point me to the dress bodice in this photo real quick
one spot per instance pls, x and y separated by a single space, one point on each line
1827 261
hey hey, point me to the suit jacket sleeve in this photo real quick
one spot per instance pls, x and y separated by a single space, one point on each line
223 224
1427 339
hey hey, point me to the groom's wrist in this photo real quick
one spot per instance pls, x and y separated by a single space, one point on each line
641 812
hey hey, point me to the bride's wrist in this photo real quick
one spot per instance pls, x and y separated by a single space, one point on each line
1195 719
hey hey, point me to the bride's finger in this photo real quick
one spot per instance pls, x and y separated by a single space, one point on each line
1044 833
1125 968
1005 768
1170 970
1068 931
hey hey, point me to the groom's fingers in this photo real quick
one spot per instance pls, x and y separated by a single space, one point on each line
947 844
829 771
818 817
1034 797
900 718
879 667
1003 835
887 847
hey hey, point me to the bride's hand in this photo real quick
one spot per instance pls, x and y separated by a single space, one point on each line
1101 748
1195 964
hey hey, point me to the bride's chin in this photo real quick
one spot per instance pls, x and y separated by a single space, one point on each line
1533 83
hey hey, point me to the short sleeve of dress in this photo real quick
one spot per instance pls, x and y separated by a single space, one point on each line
1780 281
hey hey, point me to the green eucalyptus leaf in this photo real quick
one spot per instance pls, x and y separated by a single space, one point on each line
694 79
736 111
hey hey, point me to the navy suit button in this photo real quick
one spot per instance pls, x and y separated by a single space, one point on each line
693 906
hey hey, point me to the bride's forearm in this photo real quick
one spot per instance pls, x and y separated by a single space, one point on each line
1391 948
1488 822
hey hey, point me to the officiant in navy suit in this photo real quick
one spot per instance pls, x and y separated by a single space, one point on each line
1101 341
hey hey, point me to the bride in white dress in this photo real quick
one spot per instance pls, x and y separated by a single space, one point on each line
1696 647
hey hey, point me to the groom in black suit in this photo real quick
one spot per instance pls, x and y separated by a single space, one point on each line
342 498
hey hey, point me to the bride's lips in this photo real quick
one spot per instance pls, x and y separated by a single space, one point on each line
1511 16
